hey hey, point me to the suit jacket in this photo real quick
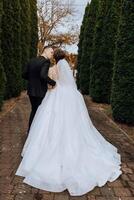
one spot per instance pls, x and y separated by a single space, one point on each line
36 73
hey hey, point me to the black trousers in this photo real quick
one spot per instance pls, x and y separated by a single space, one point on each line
35 102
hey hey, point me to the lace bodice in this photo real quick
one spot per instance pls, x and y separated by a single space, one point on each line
53 72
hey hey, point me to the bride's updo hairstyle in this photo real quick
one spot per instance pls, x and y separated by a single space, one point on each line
59 54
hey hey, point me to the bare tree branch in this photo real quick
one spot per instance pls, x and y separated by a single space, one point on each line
51 15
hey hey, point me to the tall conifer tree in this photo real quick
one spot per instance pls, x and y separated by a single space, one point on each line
87 46
34 28
103 49
81 37
25 33
2 74
122 97
11 47
106 50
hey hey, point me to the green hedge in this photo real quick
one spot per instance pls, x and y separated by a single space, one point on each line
25 34
11 47
2 74
81 37
18 43
122 97
101 64
34 28
87 46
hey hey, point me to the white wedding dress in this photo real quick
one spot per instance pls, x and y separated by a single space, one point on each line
63 149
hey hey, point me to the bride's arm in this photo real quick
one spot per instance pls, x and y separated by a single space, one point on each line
50 73
53 74
50 76
56 73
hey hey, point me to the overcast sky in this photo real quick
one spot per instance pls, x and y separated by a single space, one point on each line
80 6
77 20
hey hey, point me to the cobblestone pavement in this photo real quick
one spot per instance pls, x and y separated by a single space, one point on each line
13 125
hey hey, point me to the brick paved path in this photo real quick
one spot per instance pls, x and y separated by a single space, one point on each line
13 126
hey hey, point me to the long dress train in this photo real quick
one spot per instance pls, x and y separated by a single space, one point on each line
63 149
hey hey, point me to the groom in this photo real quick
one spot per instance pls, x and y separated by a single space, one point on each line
36 73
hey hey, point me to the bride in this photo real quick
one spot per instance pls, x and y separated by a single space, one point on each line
63 149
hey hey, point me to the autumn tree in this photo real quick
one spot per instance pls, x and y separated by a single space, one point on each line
53 14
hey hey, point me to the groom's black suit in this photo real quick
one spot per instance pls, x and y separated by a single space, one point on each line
36 73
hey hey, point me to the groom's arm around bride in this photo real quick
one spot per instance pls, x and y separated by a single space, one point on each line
44 76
